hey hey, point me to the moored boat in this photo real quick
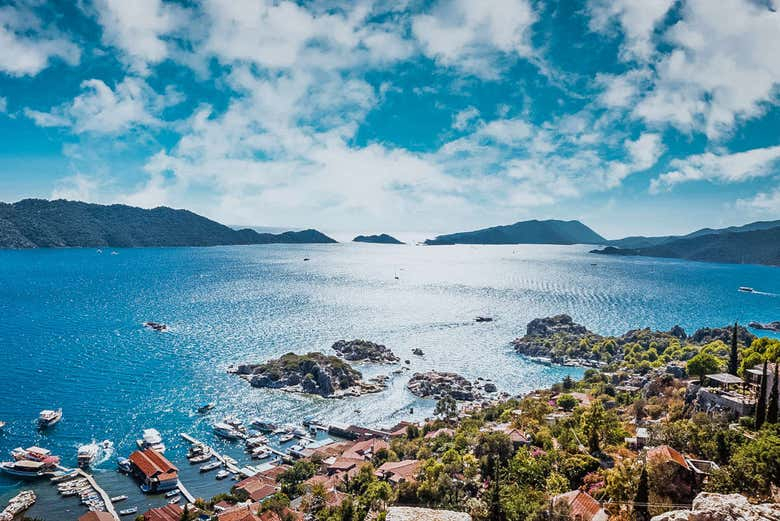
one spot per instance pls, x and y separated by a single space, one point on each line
151 440
128 511
117 499
223 430
262 425
49 418
172 492
222 474
24 468
210 466
174 500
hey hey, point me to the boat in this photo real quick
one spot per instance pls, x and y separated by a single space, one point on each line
222 474
172 492
49 418
18 504
174 500
199 453
24 468
2 424
206 407
305 259
260 453
287 436
117 499
223 430
128 511
262 425
156 326
151 440
87 454
234 422
124 464
211 466
746 289
483 319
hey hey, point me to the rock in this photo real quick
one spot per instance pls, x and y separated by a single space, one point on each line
483 319
678 332
313 373
365 351
407 362
490 387
706 335
720 507
555 324
417 351
769 326
437 385
543 333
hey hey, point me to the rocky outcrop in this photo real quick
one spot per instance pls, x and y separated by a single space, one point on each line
769 326
720 507
377 239
543 334
706 335
364 351
312 373
417 351
437 385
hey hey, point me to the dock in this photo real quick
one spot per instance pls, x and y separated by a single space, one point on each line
229 466
184 492
103 495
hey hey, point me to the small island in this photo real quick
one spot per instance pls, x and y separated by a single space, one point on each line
437 385
365 351
312 373
377 239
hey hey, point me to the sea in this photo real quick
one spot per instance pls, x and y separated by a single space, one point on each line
72 334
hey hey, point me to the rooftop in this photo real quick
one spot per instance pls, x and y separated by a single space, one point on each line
725 378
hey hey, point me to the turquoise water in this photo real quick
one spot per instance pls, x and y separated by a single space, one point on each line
72 334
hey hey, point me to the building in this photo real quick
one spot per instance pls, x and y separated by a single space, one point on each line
638 441
720 392
424 514
256 488
156 473
754 375
166 513
366 449
578 506
399 471
96 516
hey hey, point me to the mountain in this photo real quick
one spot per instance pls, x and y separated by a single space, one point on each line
526 232
760 246
645 242
377 239
38 223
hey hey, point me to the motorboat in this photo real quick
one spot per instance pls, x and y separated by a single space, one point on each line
228 432
87 454
211 466
24 468
262 425
174 500
117 499
2 424
286 437
256 441
222 474
172 492
128 511
124 464
261 453
151 439
235 423
206 407
156 326
49 418
746 289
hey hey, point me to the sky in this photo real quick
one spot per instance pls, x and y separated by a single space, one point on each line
633 116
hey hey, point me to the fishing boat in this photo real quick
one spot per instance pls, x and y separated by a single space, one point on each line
206 407
49 418
210 466
24 468
746 289
223 430
222 474
128 511
117 499
172 492
87 454
151 440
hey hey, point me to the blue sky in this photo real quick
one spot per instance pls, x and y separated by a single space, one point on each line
634 116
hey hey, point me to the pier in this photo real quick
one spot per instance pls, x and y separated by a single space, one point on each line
103 495
184 492
230 466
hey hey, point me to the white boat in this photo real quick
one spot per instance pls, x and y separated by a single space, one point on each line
222 474
87 454
746 289
48 418
151 440
260 453
288 436
24 468
223 430
262 425
128 511
172 492
210 466
234 422
174 500
124 464
117 499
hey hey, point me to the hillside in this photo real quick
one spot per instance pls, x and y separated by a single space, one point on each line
526 232
377 239
645 242
38 223
747 247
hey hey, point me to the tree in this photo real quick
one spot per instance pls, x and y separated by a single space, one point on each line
702 364
734 357
761 404
568 383
642 498
771 412
594 424
567 402
447 408
496 512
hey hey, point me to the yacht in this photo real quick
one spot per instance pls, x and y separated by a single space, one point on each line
210 466
36 454
24 468
262 425
234 422
260 453
87 454
48 418
746 289
151 440
223 430
222 474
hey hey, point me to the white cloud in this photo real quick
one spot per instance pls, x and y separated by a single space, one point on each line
139 28
727 168
465 34
27 46
78 187
645 151
637 18
103 110
724 67
762 203
620 90
463 119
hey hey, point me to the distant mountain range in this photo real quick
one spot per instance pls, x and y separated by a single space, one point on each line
645 242
377 239
38 223
525 232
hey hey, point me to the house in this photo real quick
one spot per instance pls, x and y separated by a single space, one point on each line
342 464
718 393
755 374
241 512
166 513
638 441
516 435
256 488
579 506
449 433
96 516
366 449
399 471
156 473
676 479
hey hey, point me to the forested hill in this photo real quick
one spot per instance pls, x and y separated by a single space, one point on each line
526 232
38 223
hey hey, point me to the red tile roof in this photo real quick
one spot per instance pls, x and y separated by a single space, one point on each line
257 489
397 471
97 516
365 448
582 506
239 513
665 454
166 513
153 464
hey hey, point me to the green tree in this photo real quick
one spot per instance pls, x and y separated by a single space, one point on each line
703 363
734 356
291 478
761 404
495 510
595 424
567 402
642 498
771 411
447 408
568 383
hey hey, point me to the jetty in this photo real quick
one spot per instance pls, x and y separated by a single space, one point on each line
231 467
102 493
184 492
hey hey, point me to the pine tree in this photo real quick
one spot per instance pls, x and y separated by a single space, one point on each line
771 412
761 404
641 512
734 358
496 511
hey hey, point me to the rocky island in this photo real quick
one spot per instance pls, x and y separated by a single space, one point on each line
382 238
312 373
437 385
365 351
